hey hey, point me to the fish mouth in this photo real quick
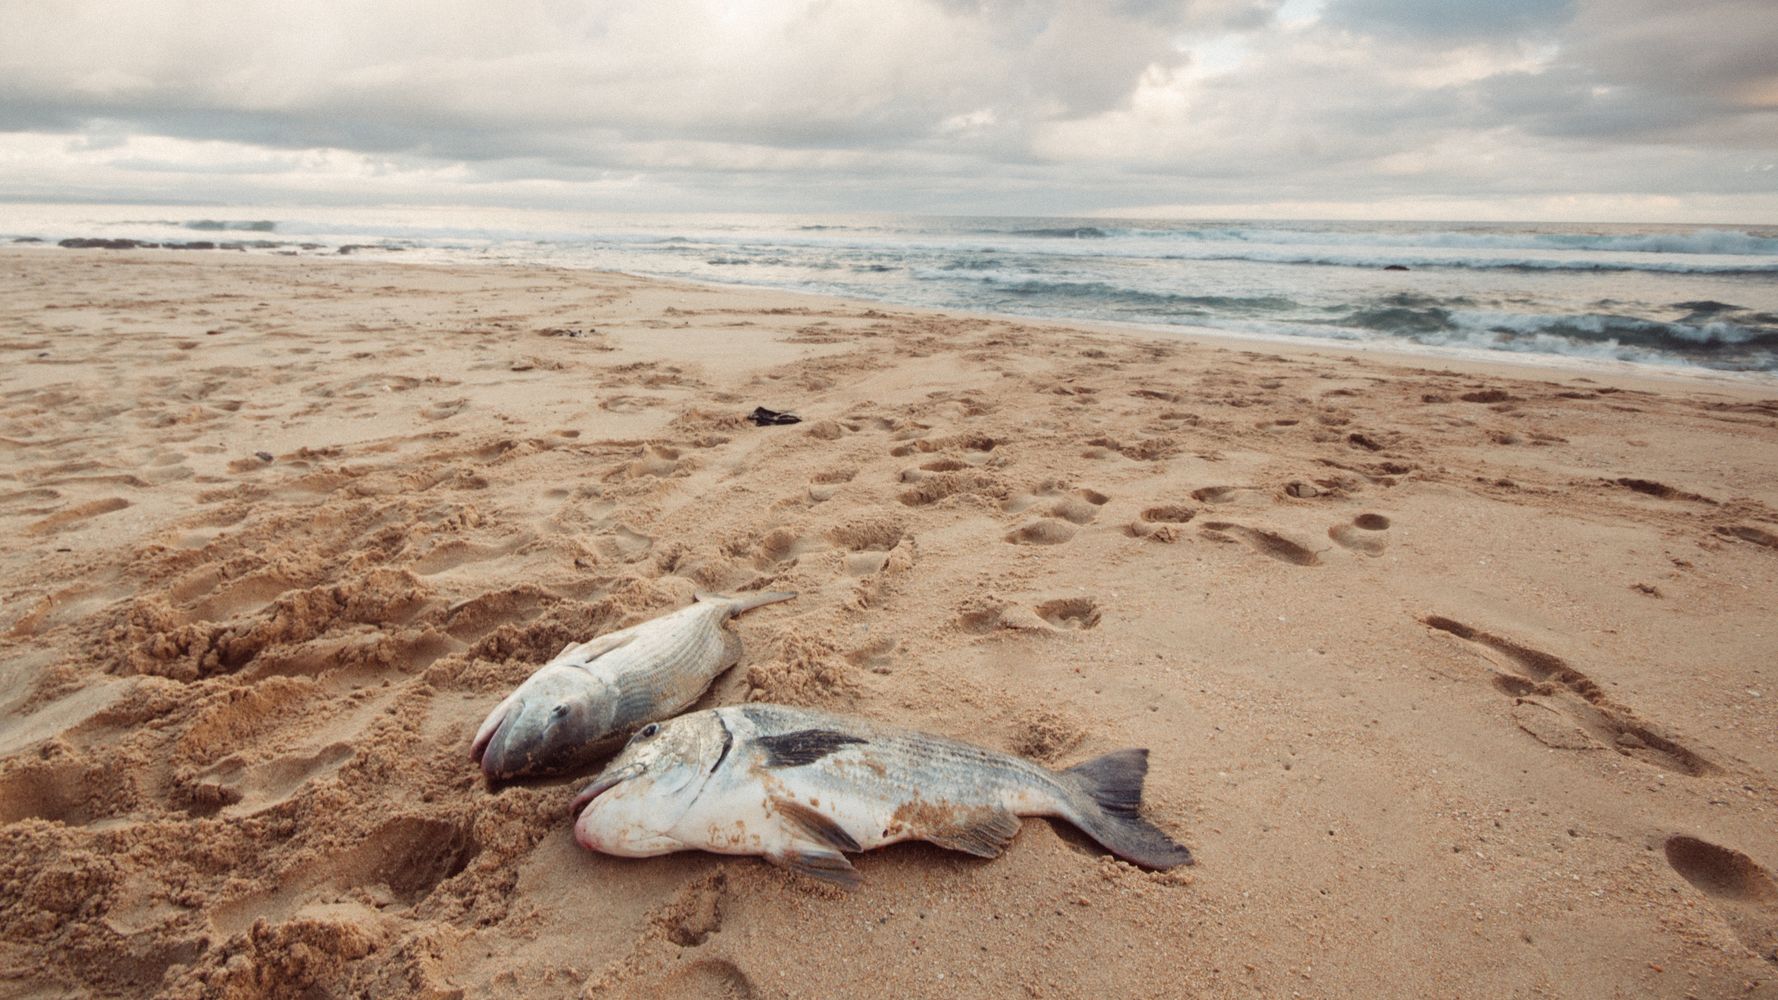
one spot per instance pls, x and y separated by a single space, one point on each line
602 784
493 754
489 731
479 752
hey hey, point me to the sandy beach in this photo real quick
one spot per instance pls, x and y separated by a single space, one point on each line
1459 678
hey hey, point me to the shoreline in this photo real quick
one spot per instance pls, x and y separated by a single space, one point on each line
1507 363
1466 659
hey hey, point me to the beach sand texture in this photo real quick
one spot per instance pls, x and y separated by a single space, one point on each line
1460 679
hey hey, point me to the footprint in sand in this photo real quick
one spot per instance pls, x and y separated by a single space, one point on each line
1563 708
443 409
407 856
712 978
623 545
945 484
62 791
1265 542
628 404
781 548
1043 531
1649 487
872 545
877 656
1748 533
972 447
1161 523
1070 612
825 484
1077 506
655 460
1741 890
74 515
982 615
1143 450
1367 534
926 470
696 913
28 503
233 786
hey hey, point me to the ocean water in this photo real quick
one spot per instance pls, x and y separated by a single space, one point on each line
1677 295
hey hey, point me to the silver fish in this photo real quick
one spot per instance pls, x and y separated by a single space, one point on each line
802 788
610 685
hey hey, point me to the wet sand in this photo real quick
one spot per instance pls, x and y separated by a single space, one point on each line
1460 678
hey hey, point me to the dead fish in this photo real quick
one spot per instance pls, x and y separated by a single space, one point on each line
802 788
610 685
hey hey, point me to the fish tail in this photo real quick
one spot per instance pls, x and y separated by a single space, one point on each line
740 603
1109 810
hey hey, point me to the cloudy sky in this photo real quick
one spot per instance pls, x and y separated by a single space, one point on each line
1632 110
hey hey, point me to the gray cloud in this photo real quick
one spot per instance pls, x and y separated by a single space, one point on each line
951 105
1700 74
1453 20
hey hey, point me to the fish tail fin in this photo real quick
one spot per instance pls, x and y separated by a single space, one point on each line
1109 811
742 603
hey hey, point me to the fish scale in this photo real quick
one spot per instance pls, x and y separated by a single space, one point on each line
802 788
564 712
673 668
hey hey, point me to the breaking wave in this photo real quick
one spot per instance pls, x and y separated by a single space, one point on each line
232 226
1686 295
1706 241
1732 268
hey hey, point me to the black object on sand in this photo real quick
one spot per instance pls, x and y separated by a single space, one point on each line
764 417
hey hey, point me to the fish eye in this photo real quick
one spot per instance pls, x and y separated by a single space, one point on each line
560 711
649 730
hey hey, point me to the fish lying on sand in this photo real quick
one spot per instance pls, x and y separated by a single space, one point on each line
802 788
608 686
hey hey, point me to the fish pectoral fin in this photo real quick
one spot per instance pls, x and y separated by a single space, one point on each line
812 824
818 862
984 834
592 649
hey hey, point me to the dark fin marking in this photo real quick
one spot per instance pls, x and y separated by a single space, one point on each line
814 825
1111 813
728 743
828 866
805 746
983 835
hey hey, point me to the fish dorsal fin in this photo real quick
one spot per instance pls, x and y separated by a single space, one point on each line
812 824
828 866
592 649
981 832
805 746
